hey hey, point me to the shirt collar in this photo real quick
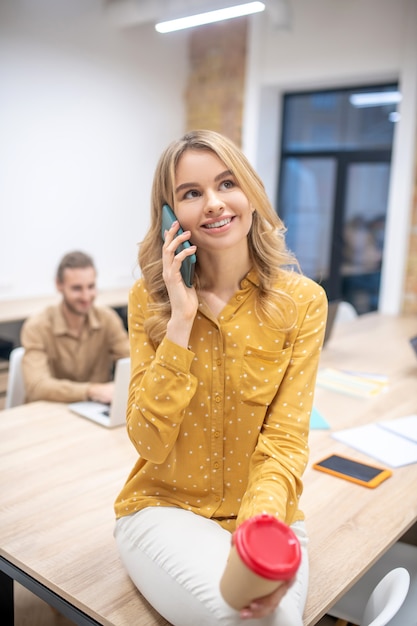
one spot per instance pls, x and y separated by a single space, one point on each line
60 326
252 277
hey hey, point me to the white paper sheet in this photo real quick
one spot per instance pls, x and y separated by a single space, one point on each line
404 426
380 443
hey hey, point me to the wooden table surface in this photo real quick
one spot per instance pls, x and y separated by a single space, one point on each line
350 526
59 475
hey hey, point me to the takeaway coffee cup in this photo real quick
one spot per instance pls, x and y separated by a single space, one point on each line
265 552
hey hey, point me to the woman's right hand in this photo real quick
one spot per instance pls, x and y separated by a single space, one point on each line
183 299
262 607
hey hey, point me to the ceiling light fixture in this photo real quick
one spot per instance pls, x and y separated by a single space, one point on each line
209 17
375 99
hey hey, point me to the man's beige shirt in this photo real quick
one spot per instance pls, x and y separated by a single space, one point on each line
58 365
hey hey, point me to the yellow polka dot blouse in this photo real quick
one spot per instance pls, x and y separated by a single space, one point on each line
221 429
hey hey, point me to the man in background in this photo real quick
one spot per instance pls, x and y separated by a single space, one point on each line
71 348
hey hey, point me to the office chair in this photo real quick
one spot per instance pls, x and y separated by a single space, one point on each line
387 598
15 392
345 312
352 605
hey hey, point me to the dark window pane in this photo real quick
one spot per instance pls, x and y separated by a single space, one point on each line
332 120
306 205
363 233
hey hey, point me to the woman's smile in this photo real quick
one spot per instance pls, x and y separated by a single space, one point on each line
218 224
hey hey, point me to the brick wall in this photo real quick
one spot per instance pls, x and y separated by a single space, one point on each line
215 89
410 288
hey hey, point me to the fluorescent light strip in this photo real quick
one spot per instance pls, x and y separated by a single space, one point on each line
209 17
375 99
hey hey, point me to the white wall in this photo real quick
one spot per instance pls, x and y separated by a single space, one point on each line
339 43
85 110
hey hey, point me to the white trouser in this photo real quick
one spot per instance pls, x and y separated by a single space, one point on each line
176 559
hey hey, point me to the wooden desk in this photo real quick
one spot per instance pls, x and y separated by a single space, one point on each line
350 526
19 310
59 475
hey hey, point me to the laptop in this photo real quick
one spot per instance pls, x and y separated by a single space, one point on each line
104 414
413 344
331 317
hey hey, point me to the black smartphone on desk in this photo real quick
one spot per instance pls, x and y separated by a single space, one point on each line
188 265
360 473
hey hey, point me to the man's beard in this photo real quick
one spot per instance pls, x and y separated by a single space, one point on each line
72 309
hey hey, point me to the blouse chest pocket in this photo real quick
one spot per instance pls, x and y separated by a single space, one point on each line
261 375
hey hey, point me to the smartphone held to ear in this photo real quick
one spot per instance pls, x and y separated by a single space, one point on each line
188 265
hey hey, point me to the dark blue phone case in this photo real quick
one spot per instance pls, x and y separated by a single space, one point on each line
188 265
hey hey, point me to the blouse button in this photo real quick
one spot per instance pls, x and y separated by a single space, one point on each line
217 399
239 298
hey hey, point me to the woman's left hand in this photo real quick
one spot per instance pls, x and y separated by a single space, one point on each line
261 607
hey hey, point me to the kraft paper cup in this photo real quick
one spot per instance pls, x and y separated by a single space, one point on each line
265 552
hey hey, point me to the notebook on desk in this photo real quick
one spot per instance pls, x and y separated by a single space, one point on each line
104 414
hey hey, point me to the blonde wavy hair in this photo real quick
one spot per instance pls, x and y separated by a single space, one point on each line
267 248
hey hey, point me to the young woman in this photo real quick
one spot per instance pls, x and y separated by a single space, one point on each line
221 389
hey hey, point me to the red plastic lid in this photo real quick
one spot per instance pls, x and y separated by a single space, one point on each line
268 547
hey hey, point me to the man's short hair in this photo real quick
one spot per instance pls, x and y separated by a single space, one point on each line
75 259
